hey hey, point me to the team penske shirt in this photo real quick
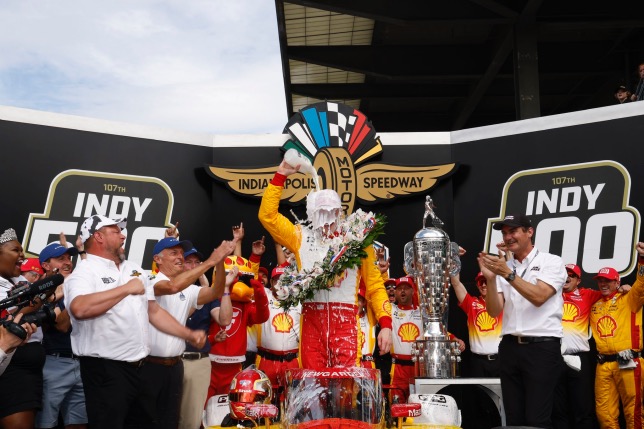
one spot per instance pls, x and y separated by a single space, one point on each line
576 319
520 316
407 328
484 330
179 306
122 332
280 333
615 320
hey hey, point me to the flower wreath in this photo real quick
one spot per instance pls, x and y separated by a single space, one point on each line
346 249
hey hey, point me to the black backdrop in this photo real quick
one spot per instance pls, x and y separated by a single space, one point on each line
206 209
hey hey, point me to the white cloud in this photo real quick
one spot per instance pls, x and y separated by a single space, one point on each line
205 66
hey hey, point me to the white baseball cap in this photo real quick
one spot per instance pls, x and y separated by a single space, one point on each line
96 222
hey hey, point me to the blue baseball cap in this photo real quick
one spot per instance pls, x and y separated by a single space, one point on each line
168 242
54 250
193 251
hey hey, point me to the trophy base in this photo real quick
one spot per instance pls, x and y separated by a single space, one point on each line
436 359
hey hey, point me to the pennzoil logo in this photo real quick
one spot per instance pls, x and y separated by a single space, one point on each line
74 195
580 212
338 140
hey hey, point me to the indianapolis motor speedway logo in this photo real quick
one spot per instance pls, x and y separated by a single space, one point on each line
339 141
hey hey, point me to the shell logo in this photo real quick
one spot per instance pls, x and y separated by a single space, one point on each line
570 312
485 322
408 332
606 326
282 323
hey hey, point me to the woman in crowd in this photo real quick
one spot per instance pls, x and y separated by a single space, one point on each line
21 383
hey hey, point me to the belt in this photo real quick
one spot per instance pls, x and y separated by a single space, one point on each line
137 363
403 362
602 359
367 358
529 340
279 358
486 357
64 355
165 361
194 355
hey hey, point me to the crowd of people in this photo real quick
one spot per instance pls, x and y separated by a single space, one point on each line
134 348
624 95
531 326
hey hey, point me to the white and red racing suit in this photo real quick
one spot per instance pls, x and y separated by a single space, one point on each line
329 326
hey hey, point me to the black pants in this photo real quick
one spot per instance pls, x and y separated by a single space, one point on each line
160 396
529 375
574 399
484 368
111 390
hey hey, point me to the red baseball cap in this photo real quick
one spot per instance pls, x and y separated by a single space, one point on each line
574 269
263 270
390 283
32 264
277 271
608 273
405 280
479 276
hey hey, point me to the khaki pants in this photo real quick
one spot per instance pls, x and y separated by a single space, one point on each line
196 378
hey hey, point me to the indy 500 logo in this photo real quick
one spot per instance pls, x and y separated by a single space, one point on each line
74 195
581 212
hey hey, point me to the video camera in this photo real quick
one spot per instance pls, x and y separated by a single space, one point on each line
23 295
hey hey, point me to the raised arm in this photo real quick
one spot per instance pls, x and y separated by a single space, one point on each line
459 288
186 278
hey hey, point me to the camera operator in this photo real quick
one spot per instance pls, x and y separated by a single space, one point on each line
19 405
62 385
9 341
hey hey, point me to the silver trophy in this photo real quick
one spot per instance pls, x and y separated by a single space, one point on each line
435 355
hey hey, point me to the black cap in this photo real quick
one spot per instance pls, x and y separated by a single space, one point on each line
513 220
621 88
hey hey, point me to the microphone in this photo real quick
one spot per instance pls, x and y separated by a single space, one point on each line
15 296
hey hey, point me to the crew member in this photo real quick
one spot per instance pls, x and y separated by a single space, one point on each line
484 330
616 324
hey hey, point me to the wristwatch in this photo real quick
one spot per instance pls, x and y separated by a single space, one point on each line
511 276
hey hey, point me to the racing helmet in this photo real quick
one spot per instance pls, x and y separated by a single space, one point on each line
250 386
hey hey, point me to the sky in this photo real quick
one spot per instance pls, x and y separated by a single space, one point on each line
206 66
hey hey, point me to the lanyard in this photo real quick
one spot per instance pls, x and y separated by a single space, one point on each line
526 268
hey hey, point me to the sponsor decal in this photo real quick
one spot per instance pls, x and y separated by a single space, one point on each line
235 322
484 322
581 212
74 195
339 141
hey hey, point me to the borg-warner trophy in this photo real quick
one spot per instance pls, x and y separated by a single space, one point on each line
435 355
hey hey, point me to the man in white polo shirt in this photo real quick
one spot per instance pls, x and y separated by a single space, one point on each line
526 285
176 292
111 303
